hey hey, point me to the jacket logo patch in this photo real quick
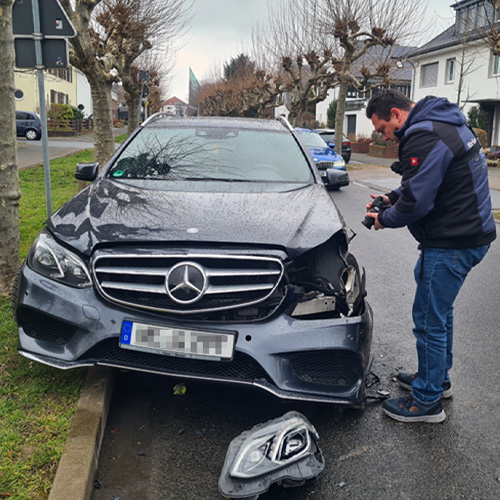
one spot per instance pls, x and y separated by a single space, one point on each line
414 162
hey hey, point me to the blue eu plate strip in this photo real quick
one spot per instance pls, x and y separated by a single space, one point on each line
126 332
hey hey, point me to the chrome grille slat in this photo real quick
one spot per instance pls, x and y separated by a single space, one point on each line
237 289
134 287
140 279
160 271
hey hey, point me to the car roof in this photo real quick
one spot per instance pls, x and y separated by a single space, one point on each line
163 120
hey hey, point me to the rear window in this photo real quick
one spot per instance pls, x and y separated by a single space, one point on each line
328 137
209 153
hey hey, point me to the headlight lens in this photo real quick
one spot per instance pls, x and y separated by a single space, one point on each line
56 262
272 448
339 164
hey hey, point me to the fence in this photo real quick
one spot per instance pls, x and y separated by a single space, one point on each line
75 126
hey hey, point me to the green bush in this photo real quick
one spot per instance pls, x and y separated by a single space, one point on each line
477 118
61 112
77 114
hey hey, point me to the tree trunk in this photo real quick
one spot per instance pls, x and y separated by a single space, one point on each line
133 99
9 179
339 117
104 142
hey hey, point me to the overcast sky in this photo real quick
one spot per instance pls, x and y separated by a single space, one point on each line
220 29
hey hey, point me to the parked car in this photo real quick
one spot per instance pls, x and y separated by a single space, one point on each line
331 165
206 248
328 134
28 125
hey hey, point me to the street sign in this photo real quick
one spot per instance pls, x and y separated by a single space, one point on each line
54 23
54 53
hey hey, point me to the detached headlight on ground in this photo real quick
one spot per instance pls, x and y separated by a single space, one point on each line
56 262
283 450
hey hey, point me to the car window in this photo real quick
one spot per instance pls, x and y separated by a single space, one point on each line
21 115
328 137
312 140
200 153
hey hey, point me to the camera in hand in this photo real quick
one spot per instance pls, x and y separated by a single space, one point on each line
377 207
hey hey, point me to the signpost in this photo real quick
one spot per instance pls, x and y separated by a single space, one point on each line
41 29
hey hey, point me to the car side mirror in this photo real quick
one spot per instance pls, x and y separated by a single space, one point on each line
331 145
87 171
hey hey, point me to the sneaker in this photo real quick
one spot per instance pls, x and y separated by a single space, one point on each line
409 410
405 380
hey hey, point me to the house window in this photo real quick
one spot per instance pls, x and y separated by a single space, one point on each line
495 65
429 75
352 92
450 71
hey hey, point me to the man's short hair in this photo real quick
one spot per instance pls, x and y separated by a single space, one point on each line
386 99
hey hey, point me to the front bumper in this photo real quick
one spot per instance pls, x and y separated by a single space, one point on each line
323 360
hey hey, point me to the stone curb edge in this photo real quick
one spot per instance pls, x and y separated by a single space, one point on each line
78 465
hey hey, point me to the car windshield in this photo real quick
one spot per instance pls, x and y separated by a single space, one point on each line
312 140
201 153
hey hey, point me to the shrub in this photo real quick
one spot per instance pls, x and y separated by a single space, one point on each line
378 140
493 156
77 114
61 112
363 139
482 136
477 118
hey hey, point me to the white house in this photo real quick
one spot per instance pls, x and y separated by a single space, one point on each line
459 65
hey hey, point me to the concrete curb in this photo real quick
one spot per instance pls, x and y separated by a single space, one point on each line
78 465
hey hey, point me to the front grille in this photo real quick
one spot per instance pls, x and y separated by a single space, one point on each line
241 368
334 368
323 165
187 283
42 327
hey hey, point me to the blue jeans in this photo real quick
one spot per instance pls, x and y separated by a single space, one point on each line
438 285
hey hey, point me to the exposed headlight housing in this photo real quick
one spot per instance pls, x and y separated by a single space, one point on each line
54 261
283 450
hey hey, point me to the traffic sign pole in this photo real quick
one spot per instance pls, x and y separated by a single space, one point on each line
37 35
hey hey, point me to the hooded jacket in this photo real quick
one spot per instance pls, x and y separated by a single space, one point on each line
444 196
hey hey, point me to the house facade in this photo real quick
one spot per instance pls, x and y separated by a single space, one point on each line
62 86
458 64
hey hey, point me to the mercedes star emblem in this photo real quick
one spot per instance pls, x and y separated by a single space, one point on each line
186 282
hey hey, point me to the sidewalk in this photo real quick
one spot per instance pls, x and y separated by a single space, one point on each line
30 153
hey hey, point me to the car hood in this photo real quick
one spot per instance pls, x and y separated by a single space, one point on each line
110 211
325 154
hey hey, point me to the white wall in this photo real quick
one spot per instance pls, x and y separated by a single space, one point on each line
84 95
479 84
363 124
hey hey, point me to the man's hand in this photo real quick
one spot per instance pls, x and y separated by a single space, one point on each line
377 225
386 199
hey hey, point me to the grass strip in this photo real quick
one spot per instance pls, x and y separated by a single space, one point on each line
37 402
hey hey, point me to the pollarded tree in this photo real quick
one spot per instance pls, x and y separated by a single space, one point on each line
111 35
130 28
292 43
9 180
93 57
357 26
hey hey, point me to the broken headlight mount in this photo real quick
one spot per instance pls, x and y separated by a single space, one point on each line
284 451
330 281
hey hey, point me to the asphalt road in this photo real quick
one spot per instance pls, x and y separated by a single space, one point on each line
161 446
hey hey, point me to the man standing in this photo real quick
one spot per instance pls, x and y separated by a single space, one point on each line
444 200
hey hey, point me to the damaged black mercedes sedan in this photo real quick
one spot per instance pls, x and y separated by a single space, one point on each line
206 248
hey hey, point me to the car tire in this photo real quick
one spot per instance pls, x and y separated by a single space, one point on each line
31 134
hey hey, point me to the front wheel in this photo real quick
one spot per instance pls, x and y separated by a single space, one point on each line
31 135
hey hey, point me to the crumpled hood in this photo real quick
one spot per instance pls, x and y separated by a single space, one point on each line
434 109
109 211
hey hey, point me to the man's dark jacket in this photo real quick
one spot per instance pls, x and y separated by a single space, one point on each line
444 197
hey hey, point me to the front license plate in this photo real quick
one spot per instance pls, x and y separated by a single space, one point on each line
322 173
177 342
